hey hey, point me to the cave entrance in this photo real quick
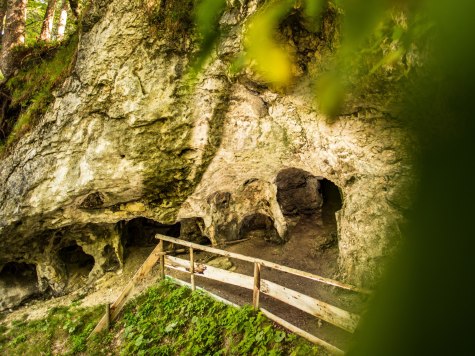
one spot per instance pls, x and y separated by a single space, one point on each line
309 204
332 201
76 261
259 226
19 273
18 282
139 233
192 229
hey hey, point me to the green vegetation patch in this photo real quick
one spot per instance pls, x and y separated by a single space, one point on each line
171 320
165 320
26 96
63 331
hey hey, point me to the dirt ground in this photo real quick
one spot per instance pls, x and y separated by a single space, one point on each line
311 247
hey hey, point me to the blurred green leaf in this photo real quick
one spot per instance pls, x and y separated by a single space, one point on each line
271 61
313 8
330 93
207 15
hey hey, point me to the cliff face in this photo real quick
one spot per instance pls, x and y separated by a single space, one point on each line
128 137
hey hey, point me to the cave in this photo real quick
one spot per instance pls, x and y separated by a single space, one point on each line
140 233
332 201
192 229
76 261
259 226
18 282
298 192
19 273
112 262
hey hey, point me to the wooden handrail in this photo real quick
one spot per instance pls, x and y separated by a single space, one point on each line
329 313
334 315
264 263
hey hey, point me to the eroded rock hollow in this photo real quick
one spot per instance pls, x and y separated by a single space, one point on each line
128 137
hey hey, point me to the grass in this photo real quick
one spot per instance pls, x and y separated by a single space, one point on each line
165 320
64 329
43 68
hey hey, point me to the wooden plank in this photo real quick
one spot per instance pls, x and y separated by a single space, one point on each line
108 316
264 263
210 272
162 259
312 338
217 297
315 307
192 269
257 285
117 306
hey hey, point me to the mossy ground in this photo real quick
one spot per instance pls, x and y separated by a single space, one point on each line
165 320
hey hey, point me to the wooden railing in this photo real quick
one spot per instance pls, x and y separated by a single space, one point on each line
324 311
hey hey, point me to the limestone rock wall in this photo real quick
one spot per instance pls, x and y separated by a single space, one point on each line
127 136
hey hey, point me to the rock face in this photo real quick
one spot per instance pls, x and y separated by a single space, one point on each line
128 137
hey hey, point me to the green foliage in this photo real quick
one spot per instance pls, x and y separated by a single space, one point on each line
35 13
169 320
65 326
45 66
378 46
206 15
165 320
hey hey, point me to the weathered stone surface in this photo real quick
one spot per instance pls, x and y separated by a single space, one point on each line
128 137
298 192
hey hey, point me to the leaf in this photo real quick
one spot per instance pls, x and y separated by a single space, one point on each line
170 327
139 341
271 61
207 15
280 335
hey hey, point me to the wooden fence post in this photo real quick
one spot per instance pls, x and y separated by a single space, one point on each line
257 285
108 316
162 259
192 269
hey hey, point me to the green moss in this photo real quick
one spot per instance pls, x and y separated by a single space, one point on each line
44 67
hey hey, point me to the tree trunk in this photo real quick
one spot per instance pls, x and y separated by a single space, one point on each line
14 34
47 27
74 7
63 18
3 10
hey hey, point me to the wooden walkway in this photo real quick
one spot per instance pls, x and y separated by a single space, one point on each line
324 311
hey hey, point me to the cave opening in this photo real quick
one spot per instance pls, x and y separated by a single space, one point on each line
18 282
76 261
139 233
112 262
258 226
192 229
19 273
309 205
332 201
